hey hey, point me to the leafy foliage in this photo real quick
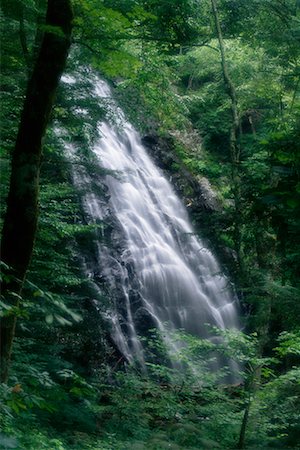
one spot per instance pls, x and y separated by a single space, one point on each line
162 57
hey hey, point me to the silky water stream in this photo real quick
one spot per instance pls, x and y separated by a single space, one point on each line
179 281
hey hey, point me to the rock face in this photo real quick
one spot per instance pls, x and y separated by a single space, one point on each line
197 193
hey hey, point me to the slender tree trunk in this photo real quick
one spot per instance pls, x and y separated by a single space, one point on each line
233 141
21 217
230 89
242 437
251 388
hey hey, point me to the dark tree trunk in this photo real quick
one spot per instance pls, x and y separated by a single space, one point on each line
21 217
242 437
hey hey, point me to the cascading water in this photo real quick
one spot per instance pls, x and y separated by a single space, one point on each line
178 279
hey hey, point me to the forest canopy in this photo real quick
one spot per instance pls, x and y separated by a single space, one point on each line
213 89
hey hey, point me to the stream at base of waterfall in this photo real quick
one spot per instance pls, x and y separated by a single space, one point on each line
179 281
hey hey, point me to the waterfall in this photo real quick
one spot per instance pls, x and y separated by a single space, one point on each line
179 282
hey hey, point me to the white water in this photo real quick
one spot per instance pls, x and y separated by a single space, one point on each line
179 279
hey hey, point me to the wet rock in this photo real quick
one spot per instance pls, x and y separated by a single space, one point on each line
196 192
144 321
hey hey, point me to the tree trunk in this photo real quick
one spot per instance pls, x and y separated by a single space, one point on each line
242 437
251 388
233 141
20 222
